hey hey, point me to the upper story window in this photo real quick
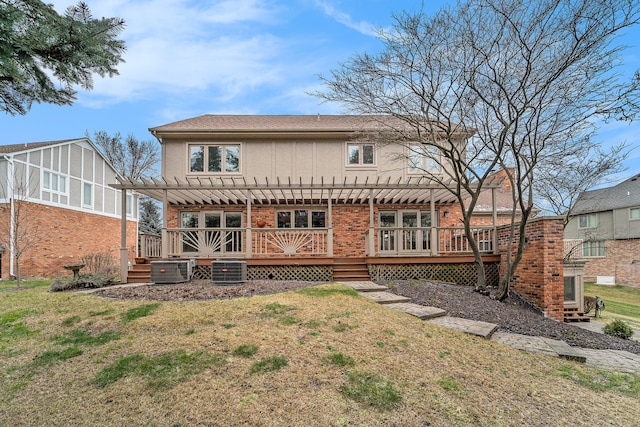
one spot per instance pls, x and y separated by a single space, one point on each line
214 158
360 154
634 213
301 218
129 205
588 221
424 158
54 182
87 195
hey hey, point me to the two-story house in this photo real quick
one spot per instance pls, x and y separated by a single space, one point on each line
310 197
605 223
56 206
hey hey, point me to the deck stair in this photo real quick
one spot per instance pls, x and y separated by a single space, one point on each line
139 273
350 270
573 314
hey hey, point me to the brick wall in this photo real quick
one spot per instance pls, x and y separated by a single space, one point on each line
622 261
539 276
64 236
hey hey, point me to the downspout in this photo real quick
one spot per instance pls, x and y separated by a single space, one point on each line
10 194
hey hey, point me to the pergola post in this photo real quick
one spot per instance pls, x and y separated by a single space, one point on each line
330 224
372 230
248 253
433 238
494 220
124 253
164 253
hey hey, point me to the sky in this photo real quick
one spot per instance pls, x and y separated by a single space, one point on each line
186 58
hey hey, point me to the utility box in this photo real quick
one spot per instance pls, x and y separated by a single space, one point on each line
228 272
178 271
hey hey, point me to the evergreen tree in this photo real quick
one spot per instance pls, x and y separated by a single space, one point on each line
43 55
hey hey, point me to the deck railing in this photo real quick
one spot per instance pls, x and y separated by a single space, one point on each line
430 240
277 241
150 245
573 248
388 241
205 242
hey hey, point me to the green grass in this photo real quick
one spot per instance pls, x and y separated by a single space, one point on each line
621 302
271 364
246 350
161 372
325 292
138 312
602 380
52 356
81 337
371 390
340 359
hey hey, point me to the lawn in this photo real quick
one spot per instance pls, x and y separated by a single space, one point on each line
621 302
320 356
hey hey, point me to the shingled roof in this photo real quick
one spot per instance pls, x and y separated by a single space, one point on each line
16 148
275 123
623 195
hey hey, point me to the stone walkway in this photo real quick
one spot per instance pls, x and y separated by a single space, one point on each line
610 359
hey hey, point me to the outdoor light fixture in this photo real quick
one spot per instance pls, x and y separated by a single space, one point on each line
446 214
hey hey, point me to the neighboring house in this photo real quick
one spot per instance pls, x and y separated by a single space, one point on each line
604 226
63 207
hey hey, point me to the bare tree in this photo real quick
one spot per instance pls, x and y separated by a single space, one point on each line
526 79
22 231
132 159
560 182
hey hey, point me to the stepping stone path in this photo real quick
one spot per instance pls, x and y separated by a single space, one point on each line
610 359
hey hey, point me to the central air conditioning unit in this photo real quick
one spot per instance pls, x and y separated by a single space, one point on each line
178 271
228 272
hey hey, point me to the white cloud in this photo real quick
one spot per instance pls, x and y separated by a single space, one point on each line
345 19
182 45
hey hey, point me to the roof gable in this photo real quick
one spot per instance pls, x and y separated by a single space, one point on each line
19 148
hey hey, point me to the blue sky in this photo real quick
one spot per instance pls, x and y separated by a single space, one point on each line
186 58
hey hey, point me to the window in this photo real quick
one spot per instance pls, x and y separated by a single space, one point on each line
424 158
211 232
301 218
593 249
634 213
588 221
87 195
214 158
54 182
129 205
360 154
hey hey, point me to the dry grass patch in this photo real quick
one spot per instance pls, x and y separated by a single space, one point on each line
180 365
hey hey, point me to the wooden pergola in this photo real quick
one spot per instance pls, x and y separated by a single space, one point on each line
231 191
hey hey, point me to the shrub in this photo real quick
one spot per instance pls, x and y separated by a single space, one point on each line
618 328
100 264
